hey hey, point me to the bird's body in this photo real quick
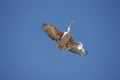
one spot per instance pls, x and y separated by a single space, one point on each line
64 39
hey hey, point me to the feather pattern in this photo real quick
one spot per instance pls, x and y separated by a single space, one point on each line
64 39
52 31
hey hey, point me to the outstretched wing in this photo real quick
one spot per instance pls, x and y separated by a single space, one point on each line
71 43
52 31
76 47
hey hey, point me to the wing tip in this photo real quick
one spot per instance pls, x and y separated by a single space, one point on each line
44 28
44 24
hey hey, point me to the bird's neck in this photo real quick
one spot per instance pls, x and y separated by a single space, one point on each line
69 29
65 33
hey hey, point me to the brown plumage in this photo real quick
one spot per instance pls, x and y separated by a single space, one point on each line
62 43
52 31
71 42
64 39
56 35
76 47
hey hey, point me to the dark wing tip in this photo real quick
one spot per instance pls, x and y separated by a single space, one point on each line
44 24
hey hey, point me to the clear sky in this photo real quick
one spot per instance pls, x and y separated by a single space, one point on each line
27 53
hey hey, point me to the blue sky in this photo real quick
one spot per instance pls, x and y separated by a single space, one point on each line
27 53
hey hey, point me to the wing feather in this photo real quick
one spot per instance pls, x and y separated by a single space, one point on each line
71 42
72 46
52 31
76 47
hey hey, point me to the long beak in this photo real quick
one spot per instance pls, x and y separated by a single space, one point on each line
71 24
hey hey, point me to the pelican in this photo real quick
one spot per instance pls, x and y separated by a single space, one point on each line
64 40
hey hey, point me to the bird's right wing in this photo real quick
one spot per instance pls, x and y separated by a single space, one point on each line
52 31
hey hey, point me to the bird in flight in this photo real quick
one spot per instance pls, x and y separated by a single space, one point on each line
64 40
